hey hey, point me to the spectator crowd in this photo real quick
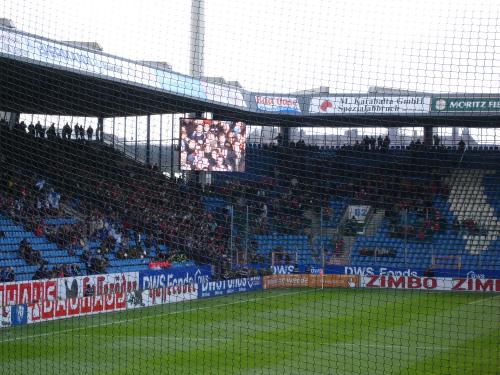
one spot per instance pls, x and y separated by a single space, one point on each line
133 212
211 145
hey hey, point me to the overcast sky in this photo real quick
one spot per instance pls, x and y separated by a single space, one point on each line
282 46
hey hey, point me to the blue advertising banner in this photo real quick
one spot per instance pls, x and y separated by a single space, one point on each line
408 271
350 269
225 287
19 315
467 273
154 279
180 84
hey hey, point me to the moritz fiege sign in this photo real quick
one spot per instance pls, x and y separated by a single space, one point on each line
466 104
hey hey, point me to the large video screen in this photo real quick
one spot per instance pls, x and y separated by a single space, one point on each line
212 145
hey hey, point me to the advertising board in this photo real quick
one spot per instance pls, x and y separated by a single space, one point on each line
410 271
71 307
277 104
223 94
87 61
161 296
372 270
310 281
225 287
5 317
34 291
153 279
430 283
59 54
356 105
464 104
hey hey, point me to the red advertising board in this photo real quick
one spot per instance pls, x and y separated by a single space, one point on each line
59 309
37 291
431 283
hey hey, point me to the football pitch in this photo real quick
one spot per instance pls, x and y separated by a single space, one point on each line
287 331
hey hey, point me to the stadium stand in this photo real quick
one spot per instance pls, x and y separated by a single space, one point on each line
346 220
109 225
424 207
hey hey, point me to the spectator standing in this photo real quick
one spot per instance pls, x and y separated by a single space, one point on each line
51 132
77 131
436 139
41 273
66 131
387 142
38 130
31 129
9 275
90 131
461 145
380 142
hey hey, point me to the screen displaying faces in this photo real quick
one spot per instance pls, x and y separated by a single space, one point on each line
212 145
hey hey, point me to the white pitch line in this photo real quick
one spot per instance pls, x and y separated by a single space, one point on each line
296 342
197 309
147 317
483 299
159 337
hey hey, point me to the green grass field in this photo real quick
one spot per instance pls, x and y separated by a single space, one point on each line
271 332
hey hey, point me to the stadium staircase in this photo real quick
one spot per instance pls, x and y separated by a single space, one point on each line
267 244
468 200
374 222
345 257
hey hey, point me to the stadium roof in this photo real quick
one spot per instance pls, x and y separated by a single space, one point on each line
39 75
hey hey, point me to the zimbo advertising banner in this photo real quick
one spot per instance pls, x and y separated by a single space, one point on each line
225 287
359 105
465 104
431 283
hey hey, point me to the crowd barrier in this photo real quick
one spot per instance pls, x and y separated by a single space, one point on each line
31 302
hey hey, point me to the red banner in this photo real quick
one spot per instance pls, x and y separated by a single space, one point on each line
59 309
36 291
156 265
431 283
